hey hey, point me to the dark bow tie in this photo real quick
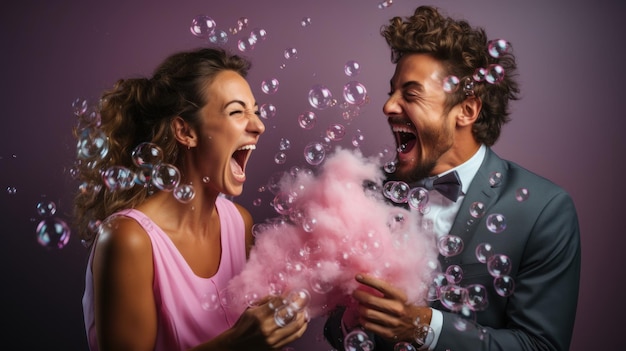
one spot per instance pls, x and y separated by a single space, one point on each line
448 185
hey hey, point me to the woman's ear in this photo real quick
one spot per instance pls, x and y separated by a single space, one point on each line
470 109
183 132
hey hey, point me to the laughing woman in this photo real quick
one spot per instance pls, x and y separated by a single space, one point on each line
156 257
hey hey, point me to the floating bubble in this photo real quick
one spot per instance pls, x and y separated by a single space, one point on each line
498 47
477 209
424 335
439 280
350 112
495 74
479 74
258 34
270 86
118 178
336 132
454 273
389 167
354 93
320 97
450 245
495 179
352 68
468 87
483 252
496 223
284 144
242 23
246 44
306 21
403 346
307 120
298 299
147 154
284 203
92 144
417 198
277 282
184 193
385 4
280 158
267 111
202 26
218 37
499 265
452 297
80 106
399 192
46 208
309 224
166 176
206 179
290 53
314 153
357 139
53 232
451 84
504 285
209 302
257 202
522 194
477 297
357 340
284 315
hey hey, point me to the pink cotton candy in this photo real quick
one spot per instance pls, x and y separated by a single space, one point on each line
355 231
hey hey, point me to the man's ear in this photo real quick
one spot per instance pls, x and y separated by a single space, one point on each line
470 110
183 132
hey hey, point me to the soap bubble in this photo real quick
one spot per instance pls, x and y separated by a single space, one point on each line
479 74
320 97
352 68
284 315
284 202
483 252
147 154
306 21
92 144
498 47
165 176
80 106
357 340
267 111
450 245
477 209
118 178
209 302
46 208
495 179
202 26
477 297
399 192
270 86
246 44
307 120
451 84
504 285
290 53
418 198
218 37
184 193
522 194
357 139
403 346
499 265
53 232
336 132
298 299
284 144
452 297
495 74
354 93
496 223
314 153
280 158
454 273
258 34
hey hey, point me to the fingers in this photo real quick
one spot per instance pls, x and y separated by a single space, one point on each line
387 290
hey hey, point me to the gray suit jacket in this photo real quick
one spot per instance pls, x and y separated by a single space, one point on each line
541 239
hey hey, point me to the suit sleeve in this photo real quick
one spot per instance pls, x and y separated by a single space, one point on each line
540 313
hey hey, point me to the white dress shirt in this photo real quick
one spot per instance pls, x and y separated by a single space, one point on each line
440 215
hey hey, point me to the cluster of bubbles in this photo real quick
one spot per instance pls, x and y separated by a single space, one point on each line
285 308
359 340
492 74
149 170
204 27
52 232
385 4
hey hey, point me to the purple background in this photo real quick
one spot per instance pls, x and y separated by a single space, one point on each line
565 128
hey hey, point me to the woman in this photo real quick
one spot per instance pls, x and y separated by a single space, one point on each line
157 259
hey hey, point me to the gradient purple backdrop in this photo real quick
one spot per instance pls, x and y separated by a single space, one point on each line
565 127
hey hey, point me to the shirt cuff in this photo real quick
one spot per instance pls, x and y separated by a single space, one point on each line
436 324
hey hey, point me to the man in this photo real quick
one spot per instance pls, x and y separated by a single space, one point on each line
527 224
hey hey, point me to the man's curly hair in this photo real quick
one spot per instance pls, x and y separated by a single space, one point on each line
461 49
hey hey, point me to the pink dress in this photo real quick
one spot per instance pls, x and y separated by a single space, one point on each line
180 294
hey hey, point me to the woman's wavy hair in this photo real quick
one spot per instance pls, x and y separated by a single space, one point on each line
461 49
140 110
